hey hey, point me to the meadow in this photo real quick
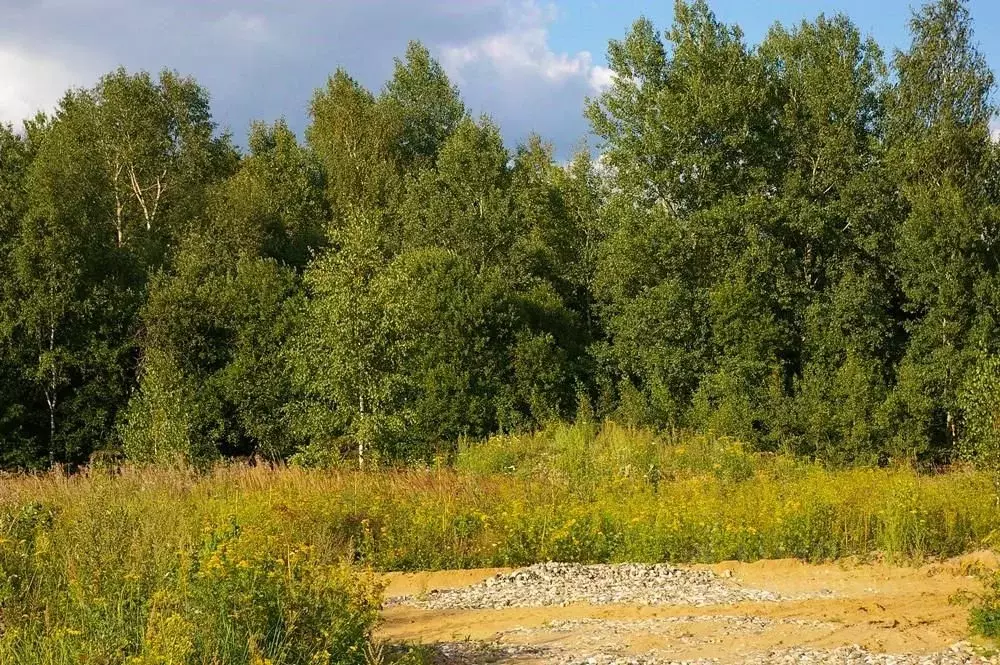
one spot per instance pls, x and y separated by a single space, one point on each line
274 565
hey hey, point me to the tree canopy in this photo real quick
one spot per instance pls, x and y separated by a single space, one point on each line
795 242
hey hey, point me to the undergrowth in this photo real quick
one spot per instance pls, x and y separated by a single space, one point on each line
260 565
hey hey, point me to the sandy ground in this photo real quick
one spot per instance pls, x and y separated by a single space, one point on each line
883 608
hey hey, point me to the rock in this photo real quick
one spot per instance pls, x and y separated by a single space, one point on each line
559 584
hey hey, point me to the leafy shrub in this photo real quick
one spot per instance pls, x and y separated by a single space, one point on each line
981 401
984 618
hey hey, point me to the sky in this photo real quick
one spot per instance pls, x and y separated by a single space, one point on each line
530 64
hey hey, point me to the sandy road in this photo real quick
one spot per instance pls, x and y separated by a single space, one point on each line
858 613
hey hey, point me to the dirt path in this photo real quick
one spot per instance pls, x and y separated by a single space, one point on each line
835 613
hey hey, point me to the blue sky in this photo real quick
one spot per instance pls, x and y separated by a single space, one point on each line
528 63
592 22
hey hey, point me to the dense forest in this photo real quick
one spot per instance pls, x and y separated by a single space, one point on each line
794 243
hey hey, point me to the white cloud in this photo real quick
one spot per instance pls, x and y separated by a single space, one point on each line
261 59
514 74
30 82
244 27
601 79
521 49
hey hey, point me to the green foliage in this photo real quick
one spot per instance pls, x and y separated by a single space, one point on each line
20 414
792 301
356 140
273 206
463 205
429 105
980 400
984 617
793 243
213 381
685 122
939 114
114 177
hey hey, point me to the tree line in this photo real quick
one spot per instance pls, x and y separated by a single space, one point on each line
794 243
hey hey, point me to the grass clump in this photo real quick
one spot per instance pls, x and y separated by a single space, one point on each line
634 458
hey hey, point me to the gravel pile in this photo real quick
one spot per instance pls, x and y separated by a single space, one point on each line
468 653
478 653
960 654
549 584
594 649
600 640
737 623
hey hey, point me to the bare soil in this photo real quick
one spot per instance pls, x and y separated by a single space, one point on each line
879 608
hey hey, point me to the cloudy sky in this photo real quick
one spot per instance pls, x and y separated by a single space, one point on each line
529 63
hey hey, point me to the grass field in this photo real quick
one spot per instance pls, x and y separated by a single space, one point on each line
260 565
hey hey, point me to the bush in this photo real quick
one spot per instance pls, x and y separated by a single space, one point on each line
980 400
985 617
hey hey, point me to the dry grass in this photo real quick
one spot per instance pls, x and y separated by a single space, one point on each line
107 567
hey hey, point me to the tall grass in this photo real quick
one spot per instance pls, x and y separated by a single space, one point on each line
251 565
704 498
153 569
